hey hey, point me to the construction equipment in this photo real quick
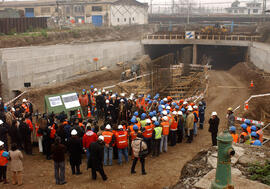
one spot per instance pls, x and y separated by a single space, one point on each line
216 29
134 71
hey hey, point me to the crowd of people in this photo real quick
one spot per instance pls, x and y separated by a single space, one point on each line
111 127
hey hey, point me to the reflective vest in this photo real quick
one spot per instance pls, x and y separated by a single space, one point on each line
53 131
174 125
235 138
143 123
3 159
107 136
131 127
25 107
148 131
37 128
197 114
141 103
158 131
245 134
121 139
133 135
81 125
165 128
260 133
249 129
29 123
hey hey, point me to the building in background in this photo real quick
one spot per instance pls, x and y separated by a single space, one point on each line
251 8
98 13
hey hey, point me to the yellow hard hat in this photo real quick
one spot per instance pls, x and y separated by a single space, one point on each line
230 109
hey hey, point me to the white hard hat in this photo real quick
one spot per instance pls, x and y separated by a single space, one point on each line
174 113
108 127
0 98
163 106
122 100
95 89
107 101
122 94
113 96
1 122
13 109
168 108
1 143
120 127
185 102
164 112
148 121
103 90
195 107
190 108
101 138
99 93
154 119
165 118
180 113
214 114
95 94
107 92
24 100
165 99
74 132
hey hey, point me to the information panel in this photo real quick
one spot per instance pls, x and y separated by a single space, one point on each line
55 101
70 100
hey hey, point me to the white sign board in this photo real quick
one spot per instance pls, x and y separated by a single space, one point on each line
71 100
190 35
55 101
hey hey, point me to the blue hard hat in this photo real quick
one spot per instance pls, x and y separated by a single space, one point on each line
155 97
168 111
257 143
232 128
183 110
177 107
159 106
162 102
91 86
244 126
253 134
133 120
156 123
174 104
149 102
83 90
247 121
135 127
154 101
148 96
143 116
147 99
136 113
155 112
253 128
151 114
166 105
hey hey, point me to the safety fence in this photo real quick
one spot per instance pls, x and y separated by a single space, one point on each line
20 25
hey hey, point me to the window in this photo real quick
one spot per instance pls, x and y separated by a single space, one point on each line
97 8
67 10
79 9
255 11
45 10
133 19
118 19
125 19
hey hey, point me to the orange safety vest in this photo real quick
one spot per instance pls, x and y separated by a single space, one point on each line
107 136
53 131
25 107
83 99
235 138
165 127
131 127
81 125
244 134
3 160
140 103
174 125
121 139
249 129
93 100
197 113
133 135
260 133
148 131
37 127
29 123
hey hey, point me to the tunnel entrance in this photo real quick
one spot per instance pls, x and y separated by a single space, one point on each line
219 57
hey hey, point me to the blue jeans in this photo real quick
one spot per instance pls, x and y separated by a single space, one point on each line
87 153
164 143
108 155
195 129
123 151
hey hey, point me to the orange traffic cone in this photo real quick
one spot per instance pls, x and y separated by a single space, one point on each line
79 114
246 106
251 83
89 112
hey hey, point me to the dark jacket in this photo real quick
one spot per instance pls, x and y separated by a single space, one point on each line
213 125
96 155
75 150
58 152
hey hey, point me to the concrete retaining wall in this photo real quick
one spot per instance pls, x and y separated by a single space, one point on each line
260 55
42 65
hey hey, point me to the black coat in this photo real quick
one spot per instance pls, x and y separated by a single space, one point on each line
213 125
3 134
96 155
75 150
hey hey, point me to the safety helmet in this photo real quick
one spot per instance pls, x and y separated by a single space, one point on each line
257 143
92 86
108 127
148 121
136 113
1 143
122 100
164 112
183 110
168 111
74 132
156 123
143 116
24 100
214 114
150 102
190 109
151 114
103 91
165 99
135 127
177 107
244 126
146 99
165 118
162 102
253 128
168 108
230 109
181 101
185 102
120 127
148 96
1 122
155 112
101 138
95 89
107 101
232 128
174 113
174 104
247 121
180 113
163 106
154 119
195 107
133 120
253 134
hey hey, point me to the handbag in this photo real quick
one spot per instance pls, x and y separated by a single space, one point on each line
142 153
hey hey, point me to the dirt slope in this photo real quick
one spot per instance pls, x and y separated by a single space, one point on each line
162 171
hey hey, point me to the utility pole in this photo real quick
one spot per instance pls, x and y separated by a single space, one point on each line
151 7
264 6
172 6
188 12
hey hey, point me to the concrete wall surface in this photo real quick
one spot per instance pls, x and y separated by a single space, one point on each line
260 55
42 65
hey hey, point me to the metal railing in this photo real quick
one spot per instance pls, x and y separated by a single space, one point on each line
204 37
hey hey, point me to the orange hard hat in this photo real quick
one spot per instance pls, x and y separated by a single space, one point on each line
192 104
181 101
169 98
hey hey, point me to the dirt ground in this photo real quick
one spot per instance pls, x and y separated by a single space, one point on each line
162 171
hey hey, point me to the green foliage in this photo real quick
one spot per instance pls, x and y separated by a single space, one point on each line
12 31
260 172
75 33
44 33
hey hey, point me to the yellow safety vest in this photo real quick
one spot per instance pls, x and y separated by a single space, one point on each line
158 131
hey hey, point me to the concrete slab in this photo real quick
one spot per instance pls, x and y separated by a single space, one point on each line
238 181
212 161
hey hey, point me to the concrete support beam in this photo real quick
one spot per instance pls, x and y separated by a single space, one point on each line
194 59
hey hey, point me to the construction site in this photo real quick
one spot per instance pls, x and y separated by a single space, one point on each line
190 62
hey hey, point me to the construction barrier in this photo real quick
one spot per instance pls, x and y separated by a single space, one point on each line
252 121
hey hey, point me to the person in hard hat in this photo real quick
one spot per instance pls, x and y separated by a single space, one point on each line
4 133
230 117
196 118
201 114
88 138
157 134
75 150
109 139
122 144
180 127
100 105
4 156
259 132
173 128
234 134
190 124
143 120
248 122
138 145
84 101
95 161
147 132
25 132
213 127
25 106
58 155
255 139
244 136
165 133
